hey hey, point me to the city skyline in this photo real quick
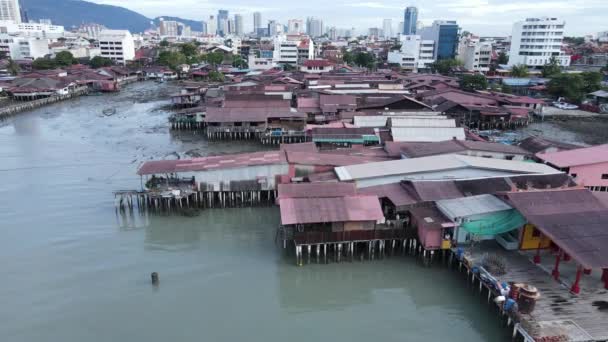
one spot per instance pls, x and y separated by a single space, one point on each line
486 17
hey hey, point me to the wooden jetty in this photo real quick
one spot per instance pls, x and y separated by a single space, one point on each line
29 105
558 312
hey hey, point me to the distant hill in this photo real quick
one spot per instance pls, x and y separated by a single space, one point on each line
73 13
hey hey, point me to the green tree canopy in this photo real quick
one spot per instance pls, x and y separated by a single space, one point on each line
519 70
552 68
216 76
502 58
348 58
474 82
44 64
171 59
604 68
98 62
569 86
592 81
365 60
239 62
65 58
12 67
188 49
164 43
505 88
215 58
445 66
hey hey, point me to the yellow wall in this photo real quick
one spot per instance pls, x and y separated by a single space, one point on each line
529 241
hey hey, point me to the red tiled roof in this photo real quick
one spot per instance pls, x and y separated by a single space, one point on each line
316 63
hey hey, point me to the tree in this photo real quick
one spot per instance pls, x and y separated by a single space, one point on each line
574 40
216 76
445 66
239 62
171 59
502 58
552 68
519 70
12 67
188 50
569 86
348 58
505 88
365 59
592 81
215 58
98 62
288 67
43 64
604 68
164 43
474 82
64 58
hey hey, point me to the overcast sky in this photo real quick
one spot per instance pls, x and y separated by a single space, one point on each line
483 17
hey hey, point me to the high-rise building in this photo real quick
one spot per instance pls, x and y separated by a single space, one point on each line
257 21
204 27
314 27
387 28
9 10
238 25
536 40
445 35
274 28
410 18
474 54
168 28
117 45
295 26
231 29
222 22
212 26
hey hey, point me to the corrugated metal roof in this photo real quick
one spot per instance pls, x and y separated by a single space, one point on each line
461 208
580 156
437 163
394 192
246 114
315 190
432 190
431 216
422 122
328 159
212 163
335 209
427 134
573 219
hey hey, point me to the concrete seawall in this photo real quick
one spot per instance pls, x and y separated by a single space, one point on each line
20 107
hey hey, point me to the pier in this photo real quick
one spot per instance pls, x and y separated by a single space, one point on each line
29 105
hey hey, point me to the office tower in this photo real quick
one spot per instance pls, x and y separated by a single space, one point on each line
410 18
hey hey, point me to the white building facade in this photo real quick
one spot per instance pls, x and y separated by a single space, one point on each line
535 41
117 45
387 28
415 53
31 29
295 26
474 54
10 11
22 48
292 49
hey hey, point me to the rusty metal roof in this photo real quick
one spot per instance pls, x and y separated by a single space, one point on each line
312 190
393 192
331 209
573 219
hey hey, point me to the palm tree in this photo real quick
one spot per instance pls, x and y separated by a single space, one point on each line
519 70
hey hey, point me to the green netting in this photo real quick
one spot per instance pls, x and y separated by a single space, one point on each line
495 223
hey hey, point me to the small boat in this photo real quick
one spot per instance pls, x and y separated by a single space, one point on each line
109 111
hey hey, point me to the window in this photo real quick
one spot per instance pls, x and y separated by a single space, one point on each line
604 175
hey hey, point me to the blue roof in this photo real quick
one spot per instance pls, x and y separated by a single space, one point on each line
516 81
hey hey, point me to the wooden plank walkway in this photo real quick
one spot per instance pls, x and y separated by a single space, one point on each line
587 310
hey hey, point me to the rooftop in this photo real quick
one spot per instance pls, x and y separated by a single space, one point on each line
580 156
330 209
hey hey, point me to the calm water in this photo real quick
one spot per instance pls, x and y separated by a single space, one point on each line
71 272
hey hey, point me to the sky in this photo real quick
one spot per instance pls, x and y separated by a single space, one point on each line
482 17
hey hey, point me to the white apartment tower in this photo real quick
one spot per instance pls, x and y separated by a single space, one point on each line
387 28
117 45
257 21
474 54
294 26
10 11
211 26
535 40
238 25
415 53
168 28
